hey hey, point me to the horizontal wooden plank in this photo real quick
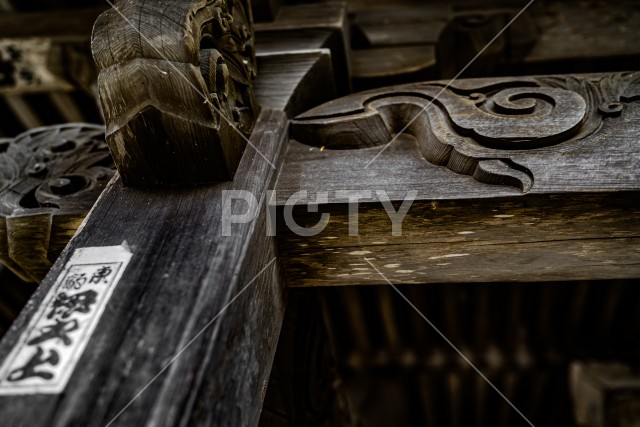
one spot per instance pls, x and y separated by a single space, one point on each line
505 189
532 238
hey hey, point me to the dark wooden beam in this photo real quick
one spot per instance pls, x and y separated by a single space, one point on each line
183 272
311 26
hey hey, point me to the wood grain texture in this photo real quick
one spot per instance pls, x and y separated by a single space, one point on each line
510 200
519 239
175 85
182 274
311 26
585 123
174 285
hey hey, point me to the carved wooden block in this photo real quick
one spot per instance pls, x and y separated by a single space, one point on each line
175 87
49 179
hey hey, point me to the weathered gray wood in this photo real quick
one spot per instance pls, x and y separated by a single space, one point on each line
515 179
202 274
183 272
311 26
175 85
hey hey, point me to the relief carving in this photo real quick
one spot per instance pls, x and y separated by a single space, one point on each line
175 85
49 180
474 127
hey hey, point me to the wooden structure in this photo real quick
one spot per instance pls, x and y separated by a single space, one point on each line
167 306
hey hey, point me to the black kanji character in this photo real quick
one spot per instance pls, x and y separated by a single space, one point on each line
64 305
101 275
74 281
29 370
58 330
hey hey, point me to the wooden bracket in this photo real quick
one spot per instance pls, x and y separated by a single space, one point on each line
175 85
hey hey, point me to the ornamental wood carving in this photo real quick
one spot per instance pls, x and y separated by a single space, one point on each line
49 179
490 129
175 86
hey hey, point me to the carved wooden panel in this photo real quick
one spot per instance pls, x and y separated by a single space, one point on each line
175 86
500 131
536 175
49 179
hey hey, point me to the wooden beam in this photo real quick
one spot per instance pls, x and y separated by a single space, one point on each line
183 268
311 26
524 179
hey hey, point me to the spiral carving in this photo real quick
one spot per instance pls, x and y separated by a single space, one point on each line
519 118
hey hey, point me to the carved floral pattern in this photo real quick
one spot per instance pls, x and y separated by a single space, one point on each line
49 179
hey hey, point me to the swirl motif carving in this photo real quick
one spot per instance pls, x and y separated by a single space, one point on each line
518 118
49 179
473 127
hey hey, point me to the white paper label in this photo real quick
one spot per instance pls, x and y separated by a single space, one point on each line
49 348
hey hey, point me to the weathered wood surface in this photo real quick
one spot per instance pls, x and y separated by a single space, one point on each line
173 287
514 179
183 272
605 395
175 86
49 179
311 26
